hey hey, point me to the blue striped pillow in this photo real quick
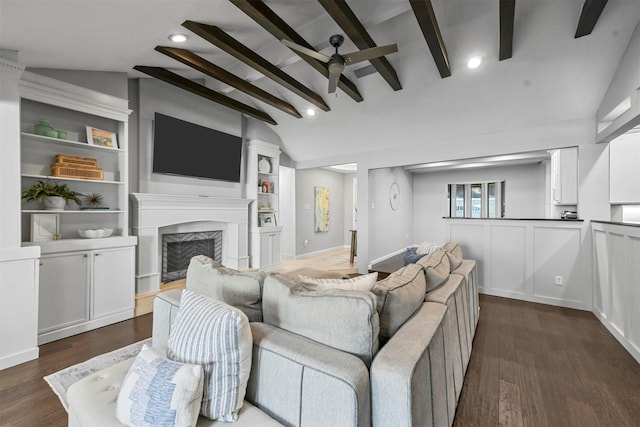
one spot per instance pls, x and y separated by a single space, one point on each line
159 392
216 336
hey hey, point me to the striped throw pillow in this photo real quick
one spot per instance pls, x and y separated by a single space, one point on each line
160 392
216 336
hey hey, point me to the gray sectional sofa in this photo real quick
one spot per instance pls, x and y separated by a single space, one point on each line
392 356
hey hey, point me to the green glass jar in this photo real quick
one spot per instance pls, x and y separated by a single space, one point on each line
43 128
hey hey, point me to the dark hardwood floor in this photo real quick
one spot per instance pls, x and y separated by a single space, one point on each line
531 365
25 397
539 365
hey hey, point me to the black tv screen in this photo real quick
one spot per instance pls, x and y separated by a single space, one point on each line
183 148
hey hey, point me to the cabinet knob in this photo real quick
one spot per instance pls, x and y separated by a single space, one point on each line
41 263
98 254
86 255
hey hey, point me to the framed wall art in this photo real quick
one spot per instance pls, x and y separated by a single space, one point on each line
102 138
44 227
321 209
266 219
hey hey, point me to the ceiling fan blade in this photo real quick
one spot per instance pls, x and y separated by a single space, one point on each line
333 81
309 52
371 53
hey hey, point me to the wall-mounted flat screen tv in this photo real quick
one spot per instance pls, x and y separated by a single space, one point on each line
187 149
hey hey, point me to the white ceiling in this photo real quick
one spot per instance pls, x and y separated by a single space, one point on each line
551 77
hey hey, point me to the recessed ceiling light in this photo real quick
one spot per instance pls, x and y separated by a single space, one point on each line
311 112
178 38
474 62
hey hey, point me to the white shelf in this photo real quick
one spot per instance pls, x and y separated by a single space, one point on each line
267 194
72 211
68 143
60 178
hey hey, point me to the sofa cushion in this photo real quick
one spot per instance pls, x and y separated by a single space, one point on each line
158 391
316 273
454 253
436 268
217 336
399 296
237 288
346 320
411 257
359 283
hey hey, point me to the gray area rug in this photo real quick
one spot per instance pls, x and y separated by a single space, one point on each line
60 381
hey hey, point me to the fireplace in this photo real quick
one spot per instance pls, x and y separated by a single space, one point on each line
155 215
179 248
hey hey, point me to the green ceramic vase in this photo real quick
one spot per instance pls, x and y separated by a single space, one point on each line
43 128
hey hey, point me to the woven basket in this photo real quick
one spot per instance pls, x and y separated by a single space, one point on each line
76 161
63 171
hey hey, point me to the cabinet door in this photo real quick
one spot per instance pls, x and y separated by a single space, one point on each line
275 248
265 250
64 291
113 281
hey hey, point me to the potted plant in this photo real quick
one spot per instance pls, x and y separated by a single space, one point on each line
54 196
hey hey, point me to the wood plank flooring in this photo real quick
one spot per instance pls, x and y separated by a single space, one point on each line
531 365
538 365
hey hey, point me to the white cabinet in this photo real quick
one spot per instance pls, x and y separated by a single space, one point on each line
84 290
263 163
564 176
624 160
270 249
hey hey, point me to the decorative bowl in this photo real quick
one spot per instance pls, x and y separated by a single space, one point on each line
95 233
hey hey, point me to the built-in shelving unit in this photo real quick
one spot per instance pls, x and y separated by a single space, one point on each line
262 186
84 283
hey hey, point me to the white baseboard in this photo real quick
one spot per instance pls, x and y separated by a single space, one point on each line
533 298
84 327
633 350
382 258
321 251
18 358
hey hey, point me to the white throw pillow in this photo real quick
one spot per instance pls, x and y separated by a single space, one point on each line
158 391
216 336
359 283
426 248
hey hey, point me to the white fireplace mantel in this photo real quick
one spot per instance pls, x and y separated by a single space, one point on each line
152 212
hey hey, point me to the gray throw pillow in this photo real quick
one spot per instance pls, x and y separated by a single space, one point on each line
237 288
342 319
399 296
436 268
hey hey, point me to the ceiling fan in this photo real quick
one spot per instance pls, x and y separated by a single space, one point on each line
337 62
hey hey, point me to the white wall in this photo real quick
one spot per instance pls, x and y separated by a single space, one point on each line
287 210
389 230
348 206
524 196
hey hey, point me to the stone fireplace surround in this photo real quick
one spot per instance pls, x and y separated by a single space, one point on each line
154 214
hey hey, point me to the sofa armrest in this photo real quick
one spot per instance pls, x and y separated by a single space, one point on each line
409 384
300 382
165 309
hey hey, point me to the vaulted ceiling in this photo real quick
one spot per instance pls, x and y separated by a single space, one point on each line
544 60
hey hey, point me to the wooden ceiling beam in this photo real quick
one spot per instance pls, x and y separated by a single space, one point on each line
203 91
342 14
423 10
267 19
591 10
224 41
198 63
507 15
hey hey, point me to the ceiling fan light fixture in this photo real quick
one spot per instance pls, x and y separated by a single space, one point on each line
311 112
474 62
178 38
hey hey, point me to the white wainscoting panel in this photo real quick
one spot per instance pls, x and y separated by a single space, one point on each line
520 258
508 265
617 282
619 288
601 289
557 253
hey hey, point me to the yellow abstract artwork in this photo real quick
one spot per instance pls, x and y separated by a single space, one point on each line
322 209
